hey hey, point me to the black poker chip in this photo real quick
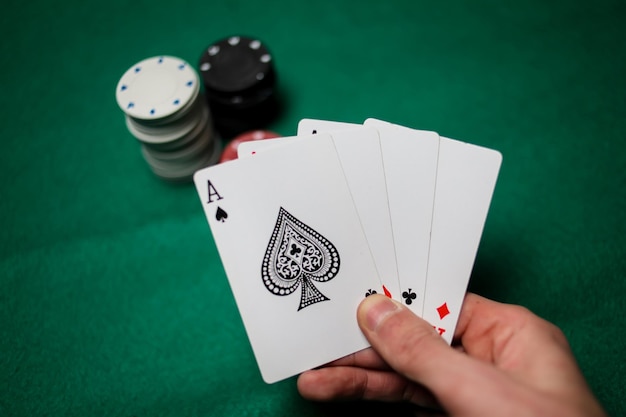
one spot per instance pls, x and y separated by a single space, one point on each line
239 84
236 65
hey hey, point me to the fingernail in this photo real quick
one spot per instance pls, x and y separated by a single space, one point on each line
377 309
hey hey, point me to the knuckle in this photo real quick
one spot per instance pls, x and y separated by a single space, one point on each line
358 386
522 317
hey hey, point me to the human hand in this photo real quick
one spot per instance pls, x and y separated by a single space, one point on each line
507 361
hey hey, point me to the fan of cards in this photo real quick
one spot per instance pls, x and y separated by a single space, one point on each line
309 225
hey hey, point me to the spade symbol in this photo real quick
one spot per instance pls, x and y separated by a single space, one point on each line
296 256
221 215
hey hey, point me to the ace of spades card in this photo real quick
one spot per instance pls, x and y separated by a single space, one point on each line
294 252
358 149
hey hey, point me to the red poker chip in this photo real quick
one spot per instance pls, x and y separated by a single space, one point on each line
230 150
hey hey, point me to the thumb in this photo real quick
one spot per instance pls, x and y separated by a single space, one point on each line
414 349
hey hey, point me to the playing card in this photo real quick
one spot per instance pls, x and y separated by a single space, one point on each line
466 178
247 149
359 152
313 126
410 165
294 252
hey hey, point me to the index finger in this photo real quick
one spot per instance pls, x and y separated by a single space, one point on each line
366 358
518 342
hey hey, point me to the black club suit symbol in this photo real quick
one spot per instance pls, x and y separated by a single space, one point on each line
370 292
409 296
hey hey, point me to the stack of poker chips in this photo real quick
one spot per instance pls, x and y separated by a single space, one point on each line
239 83
166 112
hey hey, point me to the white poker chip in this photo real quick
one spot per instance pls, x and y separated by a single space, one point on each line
184 172
157 87
201 136
167 133
173 118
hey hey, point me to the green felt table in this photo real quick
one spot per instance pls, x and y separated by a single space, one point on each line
113 300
